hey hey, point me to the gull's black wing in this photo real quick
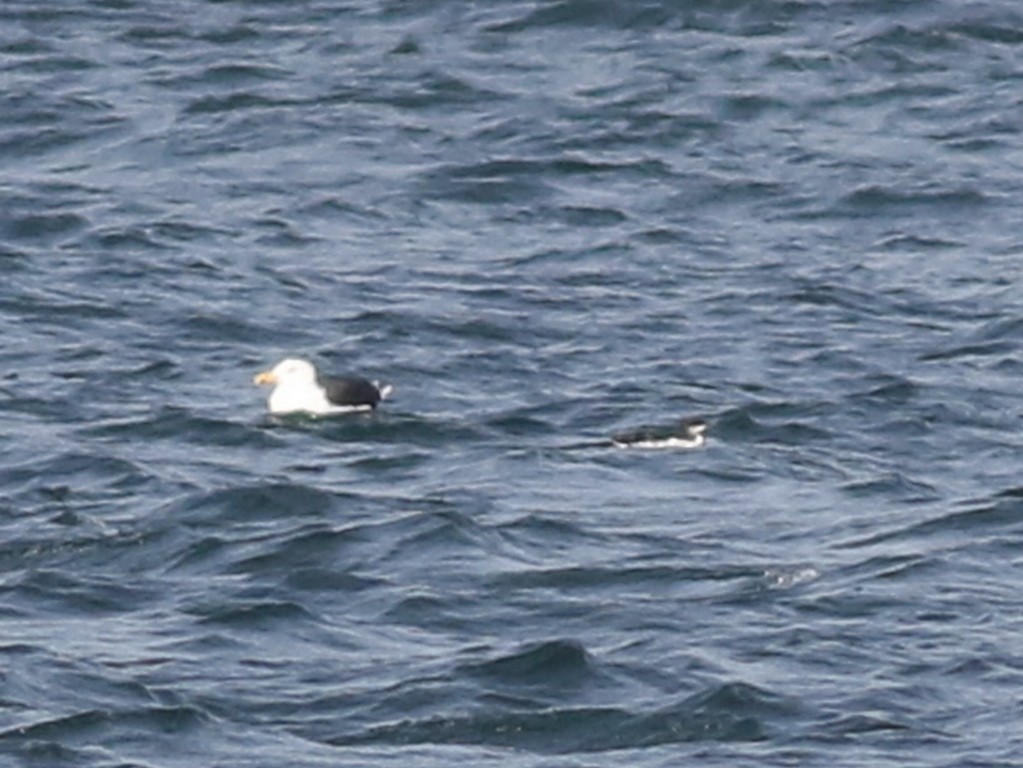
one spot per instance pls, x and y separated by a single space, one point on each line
350 390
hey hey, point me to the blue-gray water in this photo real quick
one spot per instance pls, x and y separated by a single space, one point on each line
543 222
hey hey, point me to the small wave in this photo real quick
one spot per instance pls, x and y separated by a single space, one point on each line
587 13
175 423
730 712
96 723
1000 513
42 227
878 199
84 595
256 614
491 182
550 664
759 422
234 102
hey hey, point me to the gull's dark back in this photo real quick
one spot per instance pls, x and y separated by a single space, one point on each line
350 390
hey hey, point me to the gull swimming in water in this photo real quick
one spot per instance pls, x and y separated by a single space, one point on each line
299 388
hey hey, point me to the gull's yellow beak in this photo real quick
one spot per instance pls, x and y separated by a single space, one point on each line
266 377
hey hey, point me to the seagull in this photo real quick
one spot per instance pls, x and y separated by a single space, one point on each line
299 388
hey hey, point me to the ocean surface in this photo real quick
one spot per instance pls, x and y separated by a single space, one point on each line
543 222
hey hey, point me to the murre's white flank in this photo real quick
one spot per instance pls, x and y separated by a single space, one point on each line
688 433
299 388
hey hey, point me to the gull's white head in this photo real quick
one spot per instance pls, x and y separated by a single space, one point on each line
289 372
295 389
